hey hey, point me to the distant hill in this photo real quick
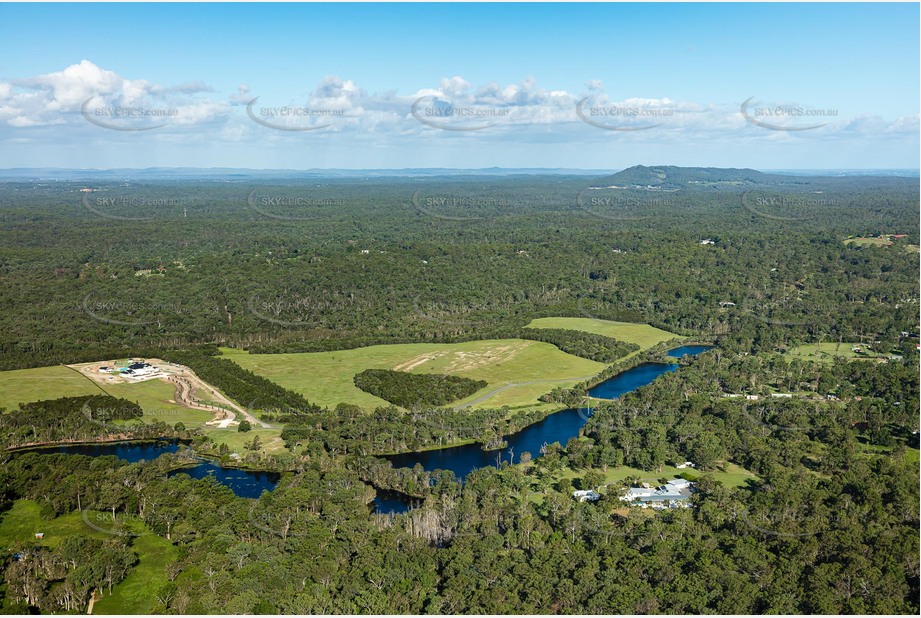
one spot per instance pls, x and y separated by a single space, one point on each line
670 177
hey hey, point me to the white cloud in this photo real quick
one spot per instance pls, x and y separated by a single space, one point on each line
532 114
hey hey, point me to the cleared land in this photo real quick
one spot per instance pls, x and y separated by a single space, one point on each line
156 394
729 474
270 439
879 242
876 241
157 399
643 335
827 352
325 378
26 385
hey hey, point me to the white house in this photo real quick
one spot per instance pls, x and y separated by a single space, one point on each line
674 494
586 495
687 464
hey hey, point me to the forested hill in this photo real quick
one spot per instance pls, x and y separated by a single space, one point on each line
671 178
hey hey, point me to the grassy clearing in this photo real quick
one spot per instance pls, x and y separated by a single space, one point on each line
643 335
827 352
24 519
26 385
729 474
881 242
156 399
270 439
325 378
872 241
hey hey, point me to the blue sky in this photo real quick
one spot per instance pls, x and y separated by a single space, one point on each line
538 85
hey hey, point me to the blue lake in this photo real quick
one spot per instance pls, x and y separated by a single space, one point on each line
558 427
244 483
688 349
630 380
129 451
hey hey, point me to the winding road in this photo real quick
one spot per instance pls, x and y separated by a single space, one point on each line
186 381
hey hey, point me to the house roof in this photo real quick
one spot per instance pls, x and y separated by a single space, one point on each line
659 497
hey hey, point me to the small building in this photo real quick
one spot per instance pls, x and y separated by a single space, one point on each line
687 464
782 395
39 535
726 303
678 484
708 241
586 495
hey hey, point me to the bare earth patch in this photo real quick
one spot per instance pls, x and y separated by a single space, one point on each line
419 360
466 361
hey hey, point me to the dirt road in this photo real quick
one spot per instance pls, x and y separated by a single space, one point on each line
186 382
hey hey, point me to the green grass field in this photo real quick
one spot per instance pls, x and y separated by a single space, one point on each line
826 352
136 594
25 385
270 439
325 378
879 242
155 398
23 520
729 474
643 335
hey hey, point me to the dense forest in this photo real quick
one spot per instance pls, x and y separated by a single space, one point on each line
411 390
823 517
587 345
372 267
